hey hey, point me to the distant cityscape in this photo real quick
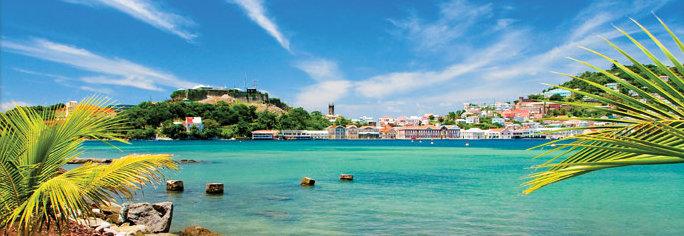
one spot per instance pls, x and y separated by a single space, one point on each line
514 121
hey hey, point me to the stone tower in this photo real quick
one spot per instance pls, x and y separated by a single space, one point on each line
331 109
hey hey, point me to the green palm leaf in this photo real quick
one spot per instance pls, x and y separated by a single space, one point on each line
652 130
34 146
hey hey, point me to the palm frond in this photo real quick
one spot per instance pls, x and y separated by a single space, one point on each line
654 130
34 146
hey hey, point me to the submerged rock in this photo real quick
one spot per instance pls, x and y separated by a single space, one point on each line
156 216
188 161
197 231
279 198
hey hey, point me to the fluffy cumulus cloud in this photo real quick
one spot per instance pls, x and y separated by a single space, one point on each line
257 13
500 68
320 69
148 12
113 71
455 18
316 96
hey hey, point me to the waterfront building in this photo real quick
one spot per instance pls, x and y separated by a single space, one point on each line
421 132
368 132
452 132
337 132
506 133
352 132
388 132
317 134
474 133
295 135
493 134
264 134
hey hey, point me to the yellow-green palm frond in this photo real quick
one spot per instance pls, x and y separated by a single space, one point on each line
650 130
34 146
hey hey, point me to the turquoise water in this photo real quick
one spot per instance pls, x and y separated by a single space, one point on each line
404 188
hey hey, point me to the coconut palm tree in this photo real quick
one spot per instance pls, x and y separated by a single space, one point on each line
35 191
650 130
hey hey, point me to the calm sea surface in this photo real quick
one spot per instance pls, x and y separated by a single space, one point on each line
404 188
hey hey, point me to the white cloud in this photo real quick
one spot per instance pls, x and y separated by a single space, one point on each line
65 81
97 90
320 69
383 85
319 95
141 83
5 106
455 19
130 74
58 78
146 12
503 23
255 10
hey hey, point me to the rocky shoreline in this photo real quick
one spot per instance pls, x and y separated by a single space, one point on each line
136 219
80 161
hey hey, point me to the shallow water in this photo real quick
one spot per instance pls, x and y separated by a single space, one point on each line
404 188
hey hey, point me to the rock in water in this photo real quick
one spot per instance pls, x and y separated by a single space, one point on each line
215 188
174 185
346 177
157 217
306 181
197 231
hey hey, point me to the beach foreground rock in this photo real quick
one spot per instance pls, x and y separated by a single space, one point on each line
111 213
137 230
197 231
156 216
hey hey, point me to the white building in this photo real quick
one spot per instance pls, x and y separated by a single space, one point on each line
193 121
473 133
317 134
264 134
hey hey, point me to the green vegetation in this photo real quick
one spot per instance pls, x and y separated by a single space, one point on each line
36 192
221 120
648 131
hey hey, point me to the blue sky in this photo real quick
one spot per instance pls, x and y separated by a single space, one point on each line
368 57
